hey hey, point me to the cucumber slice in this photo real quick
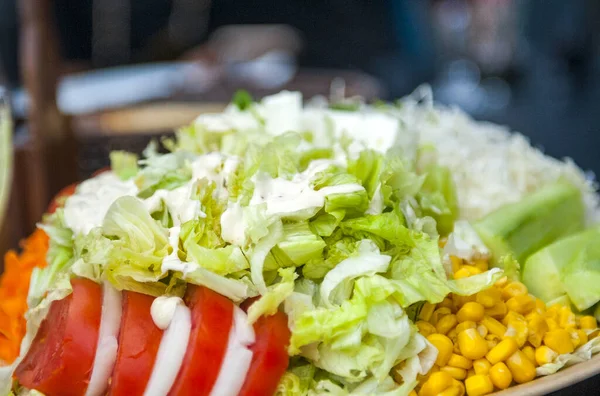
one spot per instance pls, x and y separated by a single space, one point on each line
559 270
539 219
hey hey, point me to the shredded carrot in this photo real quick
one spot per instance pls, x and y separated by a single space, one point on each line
14 286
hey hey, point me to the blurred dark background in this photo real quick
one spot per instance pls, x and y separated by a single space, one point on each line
530 64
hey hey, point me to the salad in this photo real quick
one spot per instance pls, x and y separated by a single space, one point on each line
277 248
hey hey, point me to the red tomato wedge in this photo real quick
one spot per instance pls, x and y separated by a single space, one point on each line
212 318
61 356
270 357
59 199
139 339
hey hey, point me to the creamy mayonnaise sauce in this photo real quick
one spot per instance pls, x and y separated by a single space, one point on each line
87 207
295 198
163 309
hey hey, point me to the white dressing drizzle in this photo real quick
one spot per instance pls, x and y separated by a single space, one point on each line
171 352
238 357
106 350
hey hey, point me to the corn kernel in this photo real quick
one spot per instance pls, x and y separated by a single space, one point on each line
497 311
446 323
471 372
566 318
553 312
494 326
412 393
479 385
544 355
438 313
463 272
500 375
502 351
451 391
522 304
482 265
425 328
481 366
539 305
426 311
489 297
578 337
456 348
588 322
447 303
453 335
559 340
521 368
552 324
472 345
513 289
512 317
467 324
456 263
444 347
530 353
437 382
501 282
518 330
455 372
482 330
460 362
472 311
474 270
491 343
459 301
460 386
537 329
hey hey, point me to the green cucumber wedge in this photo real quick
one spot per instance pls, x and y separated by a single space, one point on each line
568 268
536 221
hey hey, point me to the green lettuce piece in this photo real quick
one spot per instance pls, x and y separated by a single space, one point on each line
163 172
389 226
242 99
269 303
324 224
337 249
367 260
236 290
259 254
368 168
221 261
124 164
59 257
353 203
299 243
296 381
437 198
138 245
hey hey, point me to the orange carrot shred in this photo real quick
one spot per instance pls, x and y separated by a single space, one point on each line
14 286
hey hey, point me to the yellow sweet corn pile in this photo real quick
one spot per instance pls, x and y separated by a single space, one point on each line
495 338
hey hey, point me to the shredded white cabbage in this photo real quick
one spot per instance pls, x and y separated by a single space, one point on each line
491 165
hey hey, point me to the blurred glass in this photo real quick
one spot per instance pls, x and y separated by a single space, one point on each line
6 153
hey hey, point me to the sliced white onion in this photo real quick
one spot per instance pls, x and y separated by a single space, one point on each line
171 352
238 357
106 351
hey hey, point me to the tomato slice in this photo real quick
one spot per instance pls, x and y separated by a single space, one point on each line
139 339
59 199
212 318
270 357
61 356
